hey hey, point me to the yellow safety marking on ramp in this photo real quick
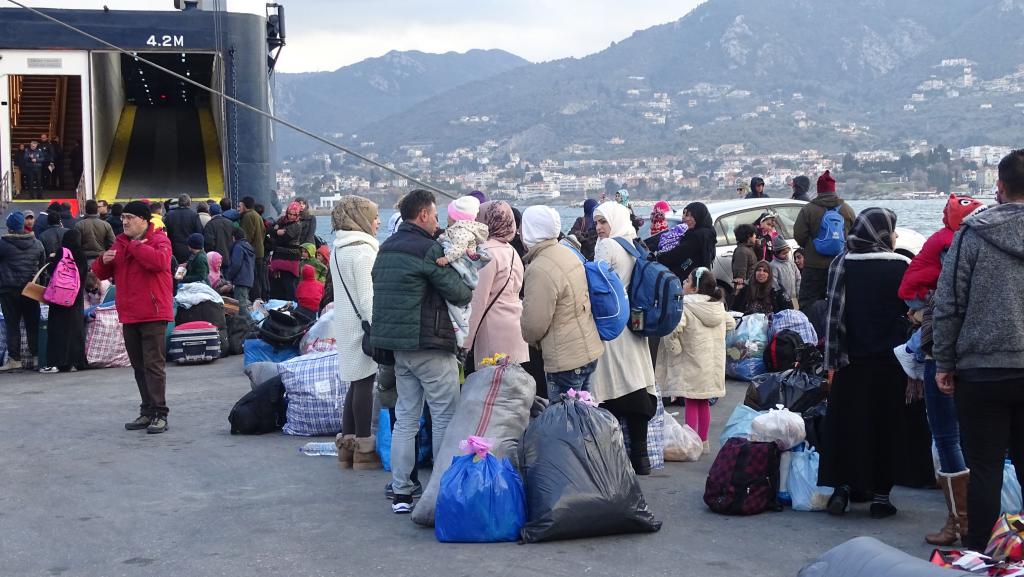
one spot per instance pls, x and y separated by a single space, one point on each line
211 151
111 180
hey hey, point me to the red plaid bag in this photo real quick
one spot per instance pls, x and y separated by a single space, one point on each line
744 479
104 341
1007 540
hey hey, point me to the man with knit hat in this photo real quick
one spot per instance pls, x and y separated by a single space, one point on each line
140 265
21 255
814 277
410 317
557 317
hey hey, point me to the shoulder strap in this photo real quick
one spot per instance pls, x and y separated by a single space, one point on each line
344 286
631 248
515 255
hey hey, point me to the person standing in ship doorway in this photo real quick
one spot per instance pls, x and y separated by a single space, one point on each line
77 165
34 158
140 264
57 162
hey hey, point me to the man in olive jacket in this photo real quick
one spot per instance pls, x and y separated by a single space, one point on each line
814 276
410 318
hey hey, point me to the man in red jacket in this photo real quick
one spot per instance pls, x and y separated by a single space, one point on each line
140 265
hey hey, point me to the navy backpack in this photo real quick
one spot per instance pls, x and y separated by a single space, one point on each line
655 294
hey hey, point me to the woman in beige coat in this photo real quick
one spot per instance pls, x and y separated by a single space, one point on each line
623 381
494 322
691 360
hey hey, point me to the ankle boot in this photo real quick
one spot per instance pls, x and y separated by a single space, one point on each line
954 489
346 450
366 457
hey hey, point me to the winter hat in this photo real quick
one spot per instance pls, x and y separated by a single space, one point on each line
826 183
957 209
139 209
215 209
16 221
779 244
479 196
195 240
232 214
464 208
540 223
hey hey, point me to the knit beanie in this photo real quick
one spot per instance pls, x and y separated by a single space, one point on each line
479 196
540 223
826 183
16 221
139 209
215 209
195 240
463 208
779 244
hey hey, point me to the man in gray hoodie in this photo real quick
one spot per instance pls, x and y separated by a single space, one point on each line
979 343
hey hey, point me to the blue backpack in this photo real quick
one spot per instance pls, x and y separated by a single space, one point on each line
608 300
655 294
831 238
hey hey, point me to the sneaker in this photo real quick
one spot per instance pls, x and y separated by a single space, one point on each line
141 422
401 504
158 425
389 491
914 369
49 370
11 365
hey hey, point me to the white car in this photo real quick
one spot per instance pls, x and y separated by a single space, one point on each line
729 214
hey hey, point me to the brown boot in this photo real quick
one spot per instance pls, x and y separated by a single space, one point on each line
346 450
366 457
954 489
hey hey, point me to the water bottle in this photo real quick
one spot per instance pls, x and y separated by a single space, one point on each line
314 449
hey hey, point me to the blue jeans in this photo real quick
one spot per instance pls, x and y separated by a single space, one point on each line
561 382
420 375
943 422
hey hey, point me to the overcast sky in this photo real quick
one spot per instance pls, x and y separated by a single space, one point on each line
329 34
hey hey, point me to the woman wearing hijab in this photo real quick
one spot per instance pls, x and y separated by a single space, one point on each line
867 420
759 295
584 231
517 241
695 248
496 307
355 222
284 264
658 222
623 381
65 328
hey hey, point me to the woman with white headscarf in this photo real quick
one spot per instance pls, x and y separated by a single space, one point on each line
624 379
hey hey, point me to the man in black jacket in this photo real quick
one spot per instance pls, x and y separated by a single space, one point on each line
181 223
757 188
217 233
21 255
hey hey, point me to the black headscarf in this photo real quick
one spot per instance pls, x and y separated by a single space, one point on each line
696 248
517 240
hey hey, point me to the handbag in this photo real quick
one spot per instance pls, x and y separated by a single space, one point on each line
379 356
33 289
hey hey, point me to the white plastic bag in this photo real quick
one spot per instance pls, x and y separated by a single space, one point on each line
781 426
803 481
1011 500
681 442
320 337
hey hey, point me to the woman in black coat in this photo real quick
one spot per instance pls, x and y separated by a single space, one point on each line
759 294
65 328
874 436
287 257
694 249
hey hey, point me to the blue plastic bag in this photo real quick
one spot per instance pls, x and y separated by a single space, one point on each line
257 350
425 453
1010 498
803 482
739 423
482 500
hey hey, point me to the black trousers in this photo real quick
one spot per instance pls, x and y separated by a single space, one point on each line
146 344
991 423
813 286
16 308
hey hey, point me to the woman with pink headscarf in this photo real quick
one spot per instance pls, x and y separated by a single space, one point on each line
658 222
214 259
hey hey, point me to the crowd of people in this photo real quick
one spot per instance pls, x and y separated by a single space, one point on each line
40 165
946 326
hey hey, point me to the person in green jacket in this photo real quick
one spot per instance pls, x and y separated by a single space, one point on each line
197 269
255 231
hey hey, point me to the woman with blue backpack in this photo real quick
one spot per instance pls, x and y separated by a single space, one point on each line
65 326
623 381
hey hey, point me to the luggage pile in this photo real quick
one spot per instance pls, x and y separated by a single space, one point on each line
280 327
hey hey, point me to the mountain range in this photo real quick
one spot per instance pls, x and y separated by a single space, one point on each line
773 76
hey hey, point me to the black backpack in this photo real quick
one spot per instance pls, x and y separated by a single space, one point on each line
261 410
782 352
283 329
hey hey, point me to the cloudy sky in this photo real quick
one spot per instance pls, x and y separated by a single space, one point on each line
329 34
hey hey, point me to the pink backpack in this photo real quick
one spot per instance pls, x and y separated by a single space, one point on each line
65 282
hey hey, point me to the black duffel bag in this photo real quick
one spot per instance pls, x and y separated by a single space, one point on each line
284 328
261 410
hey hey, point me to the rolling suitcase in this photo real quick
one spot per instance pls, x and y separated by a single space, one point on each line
194 343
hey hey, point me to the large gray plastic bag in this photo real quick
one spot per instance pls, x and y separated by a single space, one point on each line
495 403
869 557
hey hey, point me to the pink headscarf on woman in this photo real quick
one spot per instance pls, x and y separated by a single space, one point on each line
214 259
501 223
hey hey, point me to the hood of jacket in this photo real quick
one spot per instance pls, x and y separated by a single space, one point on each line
709 313
21 240
350 237
957 209
827 200
1001 226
